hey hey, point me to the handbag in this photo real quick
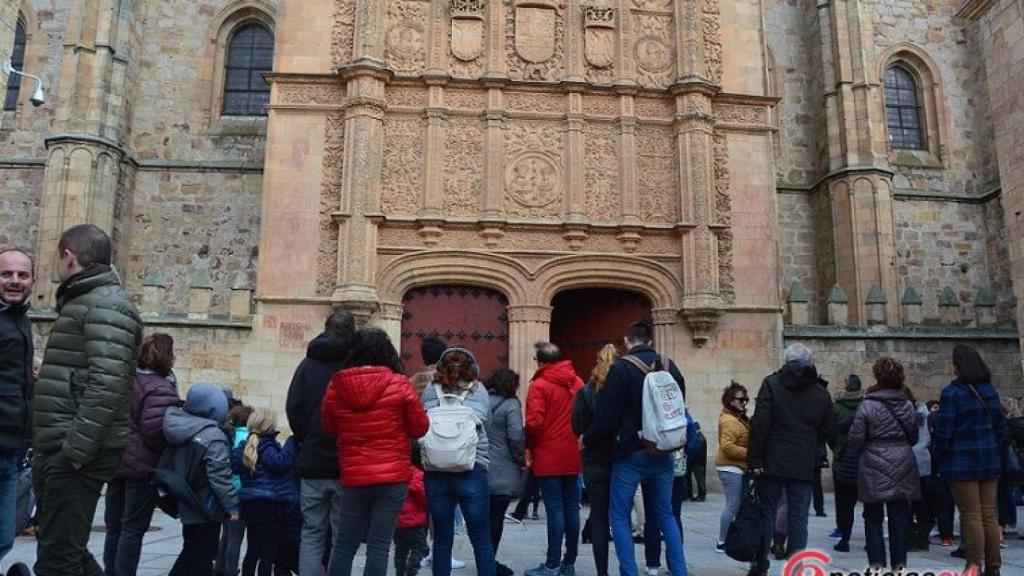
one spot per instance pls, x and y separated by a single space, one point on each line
745 537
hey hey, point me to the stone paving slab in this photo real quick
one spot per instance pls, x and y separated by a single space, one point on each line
523 547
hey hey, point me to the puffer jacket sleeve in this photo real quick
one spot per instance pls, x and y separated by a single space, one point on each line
275 458
218 475
112 332
416 421
327 409
858 435
536 410
730 434
514 433
154 405
760 426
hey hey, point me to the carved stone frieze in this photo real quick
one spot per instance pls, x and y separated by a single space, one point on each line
712 37
655 108
723 212
533 169
406 35
535 41
654 49
290 94
330 192
601 180
652 4
658 174
342 33
406 96
601 105
534 102
744 114
402 176
463 178
465 99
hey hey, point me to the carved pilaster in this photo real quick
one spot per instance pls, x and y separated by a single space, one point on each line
369 30
494 169
434 154
575 167
389 319
527 324
665 321
496 64
574 43
627 161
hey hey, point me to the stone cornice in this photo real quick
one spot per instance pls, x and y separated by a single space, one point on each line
182 320
899 333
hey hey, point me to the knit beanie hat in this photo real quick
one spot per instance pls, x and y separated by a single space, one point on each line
852 383
207 401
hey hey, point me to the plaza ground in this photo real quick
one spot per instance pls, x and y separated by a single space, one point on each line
523 547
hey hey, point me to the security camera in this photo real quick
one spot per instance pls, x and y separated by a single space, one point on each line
38 98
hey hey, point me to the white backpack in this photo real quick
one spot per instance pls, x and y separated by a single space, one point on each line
664 412
450 442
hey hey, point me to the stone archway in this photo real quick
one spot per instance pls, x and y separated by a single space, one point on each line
585 319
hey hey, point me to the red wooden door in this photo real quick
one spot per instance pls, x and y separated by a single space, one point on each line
583 321
464 316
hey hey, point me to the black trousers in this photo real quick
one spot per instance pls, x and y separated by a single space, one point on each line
696 476
263 526
846 502
499 505
198 551
531 493
941 504
599 483
818 493
410 548
66 505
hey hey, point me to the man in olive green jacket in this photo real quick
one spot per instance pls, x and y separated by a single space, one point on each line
81 402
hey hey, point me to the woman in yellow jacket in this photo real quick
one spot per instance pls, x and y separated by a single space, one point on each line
731 460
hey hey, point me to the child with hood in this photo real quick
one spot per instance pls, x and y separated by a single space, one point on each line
196 470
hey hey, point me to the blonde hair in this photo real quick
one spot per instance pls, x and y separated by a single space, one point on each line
1011 407
605 358
261 421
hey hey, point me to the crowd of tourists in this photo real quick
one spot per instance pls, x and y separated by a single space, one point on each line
380 459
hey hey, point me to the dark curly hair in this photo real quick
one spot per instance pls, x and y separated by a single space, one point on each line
730 392
373 347
454 367
157 353
888 373
504 382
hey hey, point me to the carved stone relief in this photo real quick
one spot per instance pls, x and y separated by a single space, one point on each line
402 177
307 94
458 98
658 174
652 4
406 35
654 49
330 192
723 206
534 102
535 41
463 177
342 37
600 43
466 38
406 96
601 105
603 197
711 25
533 169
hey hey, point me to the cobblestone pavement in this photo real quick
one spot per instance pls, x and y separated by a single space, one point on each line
523 547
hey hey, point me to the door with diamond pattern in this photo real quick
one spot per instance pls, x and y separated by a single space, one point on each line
464 316
584 320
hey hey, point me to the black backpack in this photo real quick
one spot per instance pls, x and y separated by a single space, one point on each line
745 538
180 481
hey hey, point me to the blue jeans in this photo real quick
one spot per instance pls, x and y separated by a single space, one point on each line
652 535
561 496
8 500
655 472
770 490
129 511
469 491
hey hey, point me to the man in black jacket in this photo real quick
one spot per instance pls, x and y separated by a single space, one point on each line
316 458
620 418
792 416
15 382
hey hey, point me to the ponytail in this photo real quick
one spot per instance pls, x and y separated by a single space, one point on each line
260 422
250 455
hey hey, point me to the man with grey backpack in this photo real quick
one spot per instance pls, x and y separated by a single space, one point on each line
642 456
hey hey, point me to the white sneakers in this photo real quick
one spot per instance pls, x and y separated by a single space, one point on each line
456 563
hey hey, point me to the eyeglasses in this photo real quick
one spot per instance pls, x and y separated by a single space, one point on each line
741 400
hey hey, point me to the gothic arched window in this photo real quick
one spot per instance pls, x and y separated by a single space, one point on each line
250 55
903 109
18 63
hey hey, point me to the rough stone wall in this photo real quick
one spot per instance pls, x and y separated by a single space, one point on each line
8 21
797 246
947 244
928 362
949 42
999 270
19 195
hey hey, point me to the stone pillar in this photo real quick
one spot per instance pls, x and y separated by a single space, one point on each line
797 305
575 168
876 303
837 307
913 307
433 155
241 297
200 294
389 319
627 161
694 129
949 307
359 215
154 294
985 309
494 146
665 320
527 324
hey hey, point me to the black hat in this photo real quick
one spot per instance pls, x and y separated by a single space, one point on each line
852 383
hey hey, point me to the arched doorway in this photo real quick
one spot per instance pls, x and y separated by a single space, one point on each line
584 320
465 316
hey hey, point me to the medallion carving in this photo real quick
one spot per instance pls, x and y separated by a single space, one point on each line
330 199
654 49
467 29
406 35
402 173
599 35
463 178
658 174
603 199
533 169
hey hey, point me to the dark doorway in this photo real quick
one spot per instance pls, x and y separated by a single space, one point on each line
464 316
584 320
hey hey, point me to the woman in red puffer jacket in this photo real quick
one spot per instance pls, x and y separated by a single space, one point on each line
373 412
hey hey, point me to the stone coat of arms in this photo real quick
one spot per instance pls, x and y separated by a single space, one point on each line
599 36
535 31
467 29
